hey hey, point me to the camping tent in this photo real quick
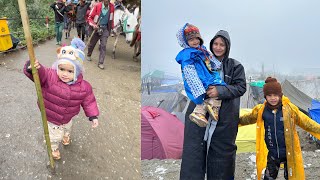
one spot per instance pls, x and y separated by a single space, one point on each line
314 112
254 96
297 97
161 134
246 138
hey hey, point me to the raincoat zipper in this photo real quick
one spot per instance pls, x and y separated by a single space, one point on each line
275 130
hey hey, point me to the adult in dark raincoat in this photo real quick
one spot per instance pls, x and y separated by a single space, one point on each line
215 154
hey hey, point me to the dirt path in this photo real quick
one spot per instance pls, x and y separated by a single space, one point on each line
112 151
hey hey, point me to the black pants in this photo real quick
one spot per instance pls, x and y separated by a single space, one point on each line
81 30
272 169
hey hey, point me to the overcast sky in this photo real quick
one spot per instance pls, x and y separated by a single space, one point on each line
282 34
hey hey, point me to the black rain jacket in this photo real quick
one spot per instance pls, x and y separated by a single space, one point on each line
219 163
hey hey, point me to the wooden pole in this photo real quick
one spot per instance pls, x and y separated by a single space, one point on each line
25 23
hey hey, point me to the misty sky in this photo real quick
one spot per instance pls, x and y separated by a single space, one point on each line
282 34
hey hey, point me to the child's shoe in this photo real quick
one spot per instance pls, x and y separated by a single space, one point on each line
56 154
199 119
213 112
66 140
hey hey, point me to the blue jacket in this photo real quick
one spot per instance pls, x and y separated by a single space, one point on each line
196 77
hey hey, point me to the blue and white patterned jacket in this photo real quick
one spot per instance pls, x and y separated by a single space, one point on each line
196 77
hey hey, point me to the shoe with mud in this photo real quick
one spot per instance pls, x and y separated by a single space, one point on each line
56 154
213 112
199 119
66 140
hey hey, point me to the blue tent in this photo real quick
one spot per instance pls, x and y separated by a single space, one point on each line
314 111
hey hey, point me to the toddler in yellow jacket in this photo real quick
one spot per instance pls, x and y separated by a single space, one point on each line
277 139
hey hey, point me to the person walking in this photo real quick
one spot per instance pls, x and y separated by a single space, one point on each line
101 22
59 10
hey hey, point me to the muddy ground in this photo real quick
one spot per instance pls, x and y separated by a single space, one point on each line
111 151
169 169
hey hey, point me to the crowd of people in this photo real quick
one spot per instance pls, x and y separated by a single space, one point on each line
93 21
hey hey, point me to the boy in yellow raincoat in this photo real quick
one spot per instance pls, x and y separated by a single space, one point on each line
277 138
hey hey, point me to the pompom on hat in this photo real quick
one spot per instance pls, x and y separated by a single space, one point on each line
272 86
192 31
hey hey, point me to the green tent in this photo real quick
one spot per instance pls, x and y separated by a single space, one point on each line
257 84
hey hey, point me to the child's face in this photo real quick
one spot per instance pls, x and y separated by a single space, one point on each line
219 47
194 42
273 99
66 72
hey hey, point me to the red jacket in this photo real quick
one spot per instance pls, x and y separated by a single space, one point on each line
95 13
62 101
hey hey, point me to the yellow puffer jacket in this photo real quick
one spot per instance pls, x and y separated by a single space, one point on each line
292 116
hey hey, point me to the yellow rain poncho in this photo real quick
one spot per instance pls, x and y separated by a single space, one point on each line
292 117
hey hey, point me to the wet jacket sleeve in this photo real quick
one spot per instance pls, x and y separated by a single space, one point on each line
89 104
237 87
308 124
250 118
193 84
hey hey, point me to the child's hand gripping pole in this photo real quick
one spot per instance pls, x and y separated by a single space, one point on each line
25 23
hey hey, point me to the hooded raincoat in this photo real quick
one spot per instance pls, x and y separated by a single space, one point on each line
292 116
196 76
219 162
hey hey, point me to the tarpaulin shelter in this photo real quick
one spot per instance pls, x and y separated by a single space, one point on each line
297 97
305 103
314 111
161 134
254 94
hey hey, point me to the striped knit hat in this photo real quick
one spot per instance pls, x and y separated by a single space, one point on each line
192 31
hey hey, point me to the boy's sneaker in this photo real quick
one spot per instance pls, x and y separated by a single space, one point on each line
66 140
56 154
89 58
199 119
213 112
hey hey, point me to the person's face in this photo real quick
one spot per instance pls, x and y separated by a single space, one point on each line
106 2
273 99
65 72
219 47
194 42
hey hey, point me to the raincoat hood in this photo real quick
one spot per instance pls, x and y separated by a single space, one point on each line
225 35
182 38
187 53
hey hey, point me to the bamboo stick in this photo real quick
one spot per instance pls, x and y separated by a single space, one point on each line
25 23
